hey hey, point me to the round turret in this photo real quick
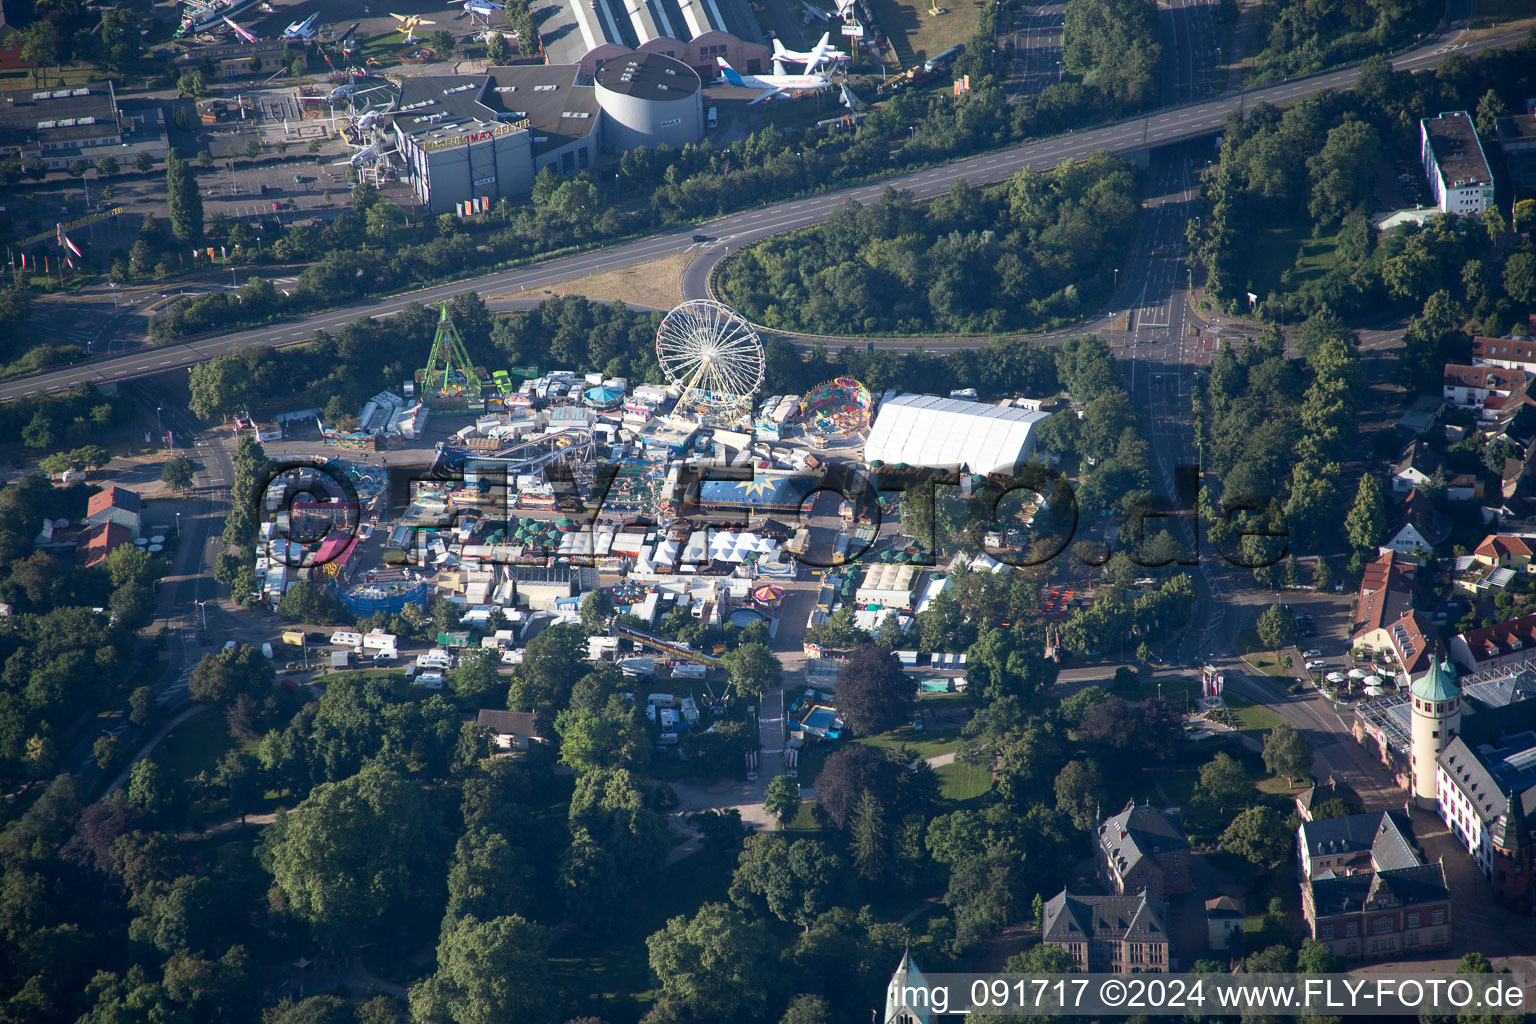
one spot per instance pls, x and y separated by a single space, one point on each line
1436 718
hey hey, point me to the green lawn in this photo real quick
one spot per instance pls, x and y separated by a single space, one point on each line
960 782
194 746
1254 653
1252 719
1273 249
1178 691
928 743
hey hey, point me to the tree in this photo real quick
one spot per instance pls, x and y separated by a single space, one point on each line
1489 109
1367 518
489 875
1316 958
1335 807
1080 792
596 610
807 1009
38 433
356 855
781 800
220 386
1259 836
1223 783
611 736
870 838
141 706
847 774
1287 752
106 166
476 676
183 199
221 678
1520 278
106 752
1525 214
143 163
307 601
873 693
754 670
490 972
253 148
1275 628
178 473
712 964
496 49
155 792
39 43
795 880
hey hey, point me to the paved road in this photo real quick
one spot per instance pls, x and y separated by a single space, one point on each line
1036 41
1149 132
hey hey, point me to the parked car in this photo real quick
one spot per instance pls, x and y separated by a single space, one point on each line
1313 653
1316 666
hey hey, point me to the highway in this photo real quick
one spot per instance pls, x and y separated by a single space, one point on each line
1147 132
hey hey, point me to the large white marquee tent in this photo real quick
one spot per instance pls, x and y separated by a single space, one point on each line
946 433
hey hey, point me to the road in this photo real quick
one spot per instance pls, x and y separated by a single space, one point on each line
1036 41
1149 132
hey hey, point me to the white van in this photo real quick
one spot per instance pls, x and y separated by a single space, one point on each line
266 651
431 680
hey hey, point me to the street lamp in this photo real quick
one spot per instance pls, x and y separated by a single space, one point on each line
178 524
1117 279
113 285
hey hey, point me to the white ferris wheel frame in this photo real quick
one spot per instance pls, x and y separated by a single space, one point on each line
711 353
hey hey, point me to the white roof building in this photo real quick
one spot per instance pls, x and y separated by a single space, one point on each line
945 433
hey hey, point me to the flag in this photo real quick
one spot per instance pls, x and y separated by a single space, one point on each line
1252 298
71 246
210 253
223 253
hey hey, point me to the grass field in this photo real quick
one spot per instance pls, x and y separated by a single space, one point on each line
194 746
917 35
1274 249
658 285
1252 719
960 782
1251 648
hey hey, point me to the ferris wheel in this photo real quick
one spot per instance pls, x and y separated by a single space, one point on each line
712 354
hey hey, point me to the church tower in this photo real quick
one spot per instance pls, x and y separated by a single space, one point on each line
1436 720
906 996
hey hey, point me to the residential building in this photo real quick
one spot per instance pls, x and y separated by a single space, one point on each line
1510 353
1386 595
1380 914
1316 796
1373 841
906 994
1417 467
1454 163
1224 922
513 730
1482 390
1502 645
1415 643
1464 487
97 542
1478 579
1505 551
1109 934
1143 849
115 505
1418 527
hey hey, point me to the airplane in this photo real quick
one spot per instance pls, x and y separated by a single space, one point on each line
483 7
364 155
302 29
822 53
341 92
368 120
813 13
411 23
773 85
242 33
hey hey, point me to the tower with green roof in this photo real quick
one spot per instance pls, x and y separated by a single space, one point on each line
1436 714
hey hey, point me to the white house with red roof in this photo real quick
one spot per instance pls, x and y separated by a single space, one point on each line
115 505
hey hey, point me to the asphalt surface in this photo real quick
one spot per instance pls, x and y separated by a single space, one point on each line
1149 132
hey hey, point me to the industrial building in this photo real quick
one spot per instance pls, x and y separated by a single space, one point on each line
946 433
468 137
1454 162
60 126
591 32
649 99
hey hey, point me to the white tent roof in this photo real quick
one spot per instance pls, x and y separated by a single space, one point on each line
945 433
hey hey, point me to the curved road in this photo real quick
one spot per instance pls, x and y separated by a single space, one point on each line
1146 132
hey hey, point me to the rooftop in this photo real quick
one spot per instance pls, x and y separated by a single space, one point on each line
1406 886
1078 918
1139 831
1384 834
63 114
1506 350
648 76
556 109
1457 152
113 497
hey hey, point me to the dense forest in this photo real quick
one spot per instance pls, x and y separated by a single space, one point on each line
1303 36
1112 45
1036 250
